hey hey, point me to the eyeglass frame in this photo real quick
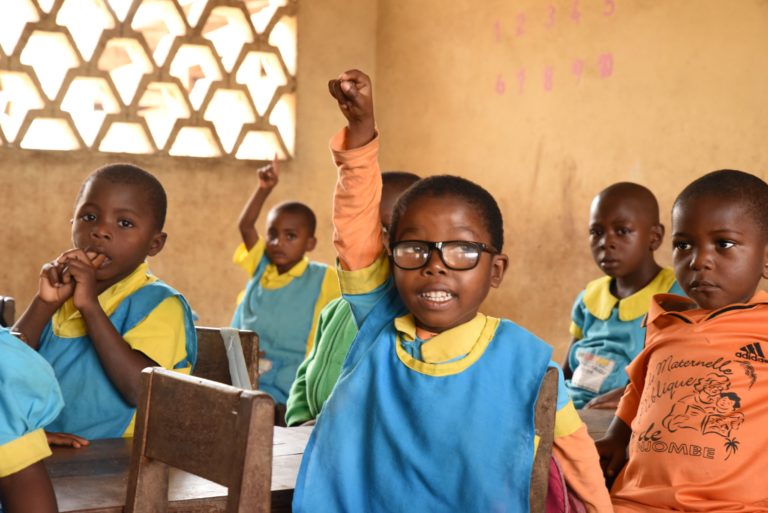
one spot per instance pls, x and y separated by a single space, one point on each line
432 246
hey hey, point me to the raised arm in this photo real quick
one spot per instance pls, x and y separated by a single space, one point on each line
268 178
357 197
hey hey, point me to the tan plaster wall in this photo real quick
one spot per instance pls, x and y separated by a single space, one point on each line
687 95
205 196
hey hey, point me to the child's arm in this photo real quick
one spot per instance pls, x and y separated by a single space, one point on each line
122 364
268 178
612 448
567 371
357 197
28 491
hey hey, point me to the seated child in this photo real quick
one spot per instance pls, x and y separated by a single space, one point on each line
29 399
607 317
286 291
100 316
336 329
693 415
434 407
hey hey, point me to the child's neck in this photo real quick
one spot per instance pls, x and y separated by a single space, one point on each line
625 286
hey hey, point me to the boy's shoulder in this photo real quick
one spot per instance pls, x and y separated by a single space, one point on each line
598 300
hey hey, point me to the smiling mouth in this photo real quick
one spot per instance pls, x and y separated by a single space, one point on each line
609 262
437 296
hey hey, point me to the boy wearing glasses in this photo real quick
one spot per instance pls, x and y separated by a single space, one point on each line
434 407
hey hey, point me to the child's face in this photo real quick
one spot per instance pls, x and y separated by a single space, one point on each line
621 236
113 219
438 297
288 238
718 250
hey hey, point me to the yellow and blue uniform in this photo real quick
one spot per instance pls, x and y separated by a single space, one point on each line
283 310
30 398
152 318
608 334
437 425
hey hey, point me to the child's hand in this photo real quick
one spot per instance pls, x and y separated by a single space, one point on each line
268 175
56 285
81 267
354 93
613 456
66 440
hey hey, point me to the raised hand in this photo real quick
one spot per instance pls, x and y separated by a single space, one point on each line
269 174
354 93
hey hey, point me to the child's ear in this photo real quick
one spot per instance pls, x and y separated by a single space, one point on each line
765 262
311 243
499 266
157 243
657 236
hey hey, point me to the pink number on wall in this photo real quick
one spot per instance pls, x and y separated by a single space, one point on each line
548 78
501 85
610 7
577 68
520 27
605 65
497 30
520 80
551 11
576 11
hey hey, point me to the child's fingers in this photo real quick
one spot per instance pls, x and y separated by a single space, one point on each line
97 260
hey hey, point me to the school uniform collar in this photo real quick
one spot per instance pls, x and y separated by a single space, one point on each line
465 344
688 311
448 345
273 279
67 320
600 301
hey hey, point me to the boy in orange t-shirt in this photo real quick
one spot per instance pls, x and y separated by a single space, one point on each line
693 414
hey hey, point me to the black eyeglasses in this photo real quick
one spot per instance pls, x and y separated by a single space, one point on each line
459 255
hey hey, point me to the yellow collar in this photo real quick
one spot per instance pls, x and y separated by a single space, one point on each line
272 279
600 302
467 342
69 323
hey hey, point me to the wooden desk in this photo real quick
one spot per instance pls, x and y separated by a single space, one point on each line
94 479
597 421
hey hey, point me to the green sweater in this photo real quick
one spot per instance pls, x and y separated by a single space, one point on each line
317 375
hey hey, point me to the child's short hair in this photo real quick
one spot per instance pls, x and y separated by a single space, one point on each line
298 208
456 187
134 175
742 188
399 179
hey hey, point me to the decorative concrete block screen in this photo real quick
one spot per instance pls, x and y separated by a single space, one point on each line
195 78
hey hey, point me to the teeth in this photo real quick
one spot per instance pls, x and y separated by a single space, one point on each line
437 296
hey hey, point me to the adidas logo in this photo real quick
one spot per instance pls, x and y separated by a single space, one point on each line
752 352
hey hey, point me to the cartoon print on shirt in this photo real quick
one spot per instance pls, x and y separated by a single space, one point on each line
711 409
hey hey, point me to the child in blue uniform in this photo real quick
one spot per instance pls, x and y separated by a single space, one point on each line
29 399
434 407
286 291
607 316
100 316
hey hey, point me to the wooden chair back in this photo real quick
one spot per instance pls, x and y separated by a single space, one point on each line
544 425
215 431
7 311
212 362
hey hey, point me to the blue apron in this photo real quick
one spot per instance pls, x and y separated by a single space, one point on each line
390 439
94 408
282 318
